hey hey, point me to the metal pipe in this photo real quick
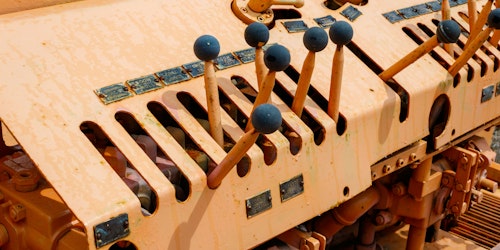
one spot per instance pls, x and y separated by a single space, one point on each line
347 213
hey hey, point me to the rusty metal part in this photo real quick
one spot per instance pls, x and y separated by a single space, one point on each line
303 240
347 213
400 159
481 223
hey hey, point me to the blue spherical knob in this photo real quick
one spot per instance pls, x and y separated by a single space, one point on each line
266 118
277 58
340 33
206 48
315 39
494 19
256 34
448 31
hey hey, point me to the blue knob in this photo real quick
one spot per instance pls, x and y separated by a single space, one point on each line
315 39
277 58
494 19
206 48
341 33
256 34
448 31
266 118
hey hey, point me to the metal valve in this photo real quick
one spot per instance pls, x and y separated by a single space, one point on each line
260 10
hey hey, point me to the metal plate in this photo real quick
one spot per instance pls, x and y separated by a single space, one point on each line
173 75
414 11
113 93
393 16
111 230
259 203
325 22
434 5
487 93
295 26
195 69
246 55
226 61
144 84
351 13
292 188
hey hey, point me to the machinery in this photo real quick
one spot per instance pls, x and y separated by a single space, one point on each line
247 124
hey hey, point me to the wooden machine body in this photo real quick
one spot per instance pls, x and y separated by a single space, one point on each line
53 58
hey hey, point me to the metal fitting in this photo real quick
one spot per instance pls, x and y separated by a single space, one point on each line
17 212
26 180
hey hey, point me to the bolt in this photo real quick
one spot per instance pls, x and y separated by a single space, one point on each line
386 169
400 162
399 189
464 159
455 209
283 191
459 187
413 156
17 212
98 236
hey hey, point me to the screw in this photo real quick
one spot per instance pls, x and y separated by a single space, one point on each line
283 191
459 187
386 169
400 162
413 156
98 236
445 180
374 175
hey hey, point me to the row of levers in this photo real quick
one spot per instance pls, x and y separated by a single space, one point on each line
300 119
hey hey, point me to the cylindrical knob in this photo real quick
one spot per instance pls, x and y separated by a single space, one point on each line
315 39
493 24
257 35
447 31
341 34
207 48
266 119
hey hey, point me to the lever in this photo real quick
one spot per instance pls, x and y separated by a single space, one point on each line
207 48
315 40
257 35
493 24
446 15
266 119
263 5
341 34
478 25
472 12
276 58
447 31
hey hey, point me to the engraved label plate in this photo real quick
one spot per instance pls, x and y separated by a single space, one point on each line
487 93
259 203
144 84
246 55
393 16
351 13
226 61
292 188
195 69
295 26
111 230
414 11
325 22
434 5
173 75
113 93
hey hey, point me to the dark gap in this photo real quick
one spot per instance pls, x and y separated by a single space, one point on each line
283 14
438 118
416 38
318 130
403 94
267 147
122 167
182 137
493 58
156 154
465 17
482 63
